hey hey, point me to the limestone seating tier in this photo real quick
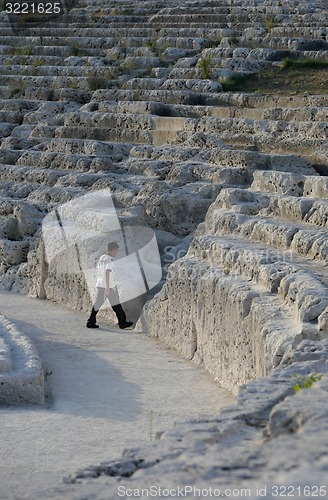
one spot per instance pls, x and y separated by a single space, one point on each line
292 278
310 113
252 343
52 70
144 32
246 263
21 373
309 210
303 238
223 157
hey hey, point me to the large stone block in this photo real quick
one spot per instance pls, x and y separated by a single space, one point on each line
21 373
219 319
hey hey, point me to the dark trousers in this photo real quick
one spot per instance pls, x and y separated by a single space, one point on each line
114 302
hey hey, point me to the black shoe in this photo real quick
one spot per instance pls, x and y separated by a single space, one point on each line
126 325
92 325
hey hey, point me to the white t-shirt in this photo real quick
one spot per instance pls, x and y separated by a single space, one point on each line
106 262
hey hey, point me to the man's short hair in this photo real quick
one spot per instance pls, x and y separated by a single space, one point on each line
112 245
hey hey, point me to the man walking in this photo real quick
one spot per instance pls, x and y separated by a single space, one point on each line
107 289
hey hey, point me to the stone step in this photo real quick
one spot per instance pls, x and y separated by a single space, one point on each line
49 158
221 8
29 60
59 161
163 131
195 85
38 88
244 51
297 282
290 128
221 70
76 42
302 238
274 205
14 82
24 181
102 43
144 121
28 175
16 191
189 97
229 99
233 24
134 120
274 114
115 151
228 158
186 15
62 51
272 101
18 141
313 32
186 172
41 94
6 129
92 133
291 184
86 64
18 106
261 38
302 137
42 69
47 198
141 32
139 173
226 99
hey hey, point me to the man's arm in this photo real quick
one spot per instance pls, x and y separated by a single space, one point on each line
108 271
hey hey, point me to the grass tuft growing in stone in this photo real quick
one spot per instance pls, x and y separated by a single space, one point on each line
20 51
128 11
37 62
29 18
96 83
98 14
76 49
19 90
234 41
214 44
152 45
205 66
306 382
269 24
234 83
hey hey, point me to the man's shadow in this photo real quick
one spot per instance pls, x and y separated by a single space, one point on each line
79 381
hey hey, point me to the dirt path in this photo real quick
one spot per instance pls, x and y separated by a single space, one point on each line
108 389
